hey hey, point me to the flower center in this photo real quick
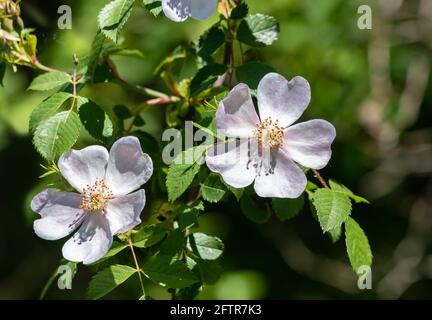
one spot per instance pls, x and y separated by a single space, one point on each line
269 134
95 197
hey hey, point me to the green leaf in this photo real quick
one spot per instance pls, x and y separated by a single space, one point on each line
57 134
148 236
116 248
122 112
237 192
95 120
47 108
357 244
335 234
95 52
205 246
251 210
286 209
206 77
183 170
337 187
251 73
210 271
240 11
332 208
168 271
2 72
154 6
210 41
174 243
113 17
50 80
188 215
213 189
258 30
107 280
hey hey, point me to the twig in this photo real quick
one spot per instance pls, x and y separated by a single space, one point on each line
138 268
320 178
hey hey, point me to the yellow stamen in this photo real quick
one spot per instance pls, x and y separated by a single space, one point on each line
95 197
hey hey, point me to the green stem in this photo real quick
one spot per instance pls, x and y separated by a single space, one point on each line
48 285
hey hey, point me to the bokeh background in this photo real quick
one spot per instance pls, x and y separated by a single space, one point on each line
373 85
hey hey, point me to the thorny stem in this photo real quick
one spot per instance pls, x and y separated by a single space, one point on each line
138 268
320 178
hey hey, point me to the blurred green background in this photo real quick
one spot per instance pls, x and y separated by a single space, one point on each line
373 85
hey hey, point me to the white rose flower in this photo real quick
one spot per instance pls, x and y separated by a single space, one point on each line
269 145
180 10
105 204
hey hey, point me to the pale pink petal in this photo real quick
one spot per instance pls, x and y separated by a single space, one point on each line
231 160
286 180
202 9
123 213
177 10
128 167
59 211
92 240
282 100
309 143
236 116
81 167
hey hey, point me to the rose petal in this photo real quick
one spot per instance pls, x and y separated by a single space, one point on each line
82 167
282 100
91 242
232 161
177 10
202 9
128 167
286 181
236 116
123 213
60 213
309 143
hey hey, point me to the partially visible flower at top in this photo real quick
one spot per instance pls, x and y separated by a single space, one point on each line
180 10
105 204
268 145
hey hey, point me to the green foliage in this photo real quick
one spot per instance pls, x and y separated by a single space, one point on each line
258 30
213 189
204 246
168 271
154 6
206 77
95 52
287 209
47 108
183 170
210 41
107 280
48 81
332 208
57 134
240 11
357 244
113 17
95 120
253 210
337 187
149 235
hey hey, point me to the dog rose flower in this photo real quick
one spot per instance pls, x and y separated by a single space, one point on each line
268 146
105 203
180 10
